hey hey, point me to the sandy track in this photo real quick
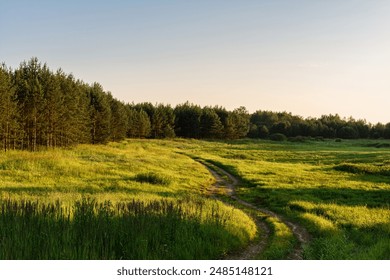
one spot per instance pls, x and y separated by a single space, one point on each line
254 249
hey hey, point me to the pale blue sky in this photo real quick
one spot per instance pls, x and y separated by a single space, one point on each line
305 57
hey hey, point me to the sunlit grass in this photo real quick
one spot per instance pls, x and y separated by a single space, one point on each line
340 191
141 170
159 229
282 241
96 170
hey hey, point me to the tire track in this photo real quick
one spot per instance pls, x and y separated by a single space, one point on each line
255 248
230 185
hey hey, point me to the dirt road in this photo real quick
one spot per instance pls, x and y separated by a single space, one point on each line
226 180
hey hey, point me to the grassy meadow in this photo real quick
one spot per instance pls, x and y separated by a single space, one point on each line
149 199
340 191
131 200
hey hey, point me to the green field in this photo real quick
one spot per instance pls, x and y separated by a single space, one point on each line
339 191
130 200
150 199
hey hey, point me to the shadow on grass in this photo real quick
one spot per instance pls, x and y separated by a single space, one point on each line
109 189
280 197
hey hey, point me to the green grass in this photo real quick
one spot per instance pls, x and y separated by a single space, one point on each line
340 191
115 172
372 169
152 178
43 193
134 230
282 241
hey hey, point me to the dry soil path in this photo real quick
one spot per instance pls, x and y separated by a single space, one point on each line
230 182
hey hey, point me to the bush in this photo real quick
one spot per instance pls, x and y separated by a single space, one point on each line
278 137
152 178
347 132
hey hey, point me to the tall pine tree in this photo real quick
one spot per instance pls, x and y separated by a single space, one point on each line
100 113
8 110
30 99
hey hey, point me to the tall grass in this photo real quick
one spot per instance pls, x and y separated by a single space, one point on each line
158 229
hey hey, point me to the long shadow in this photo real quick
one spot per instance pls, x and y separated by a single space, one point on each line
42 190
35 189
370 178
343 196
339 196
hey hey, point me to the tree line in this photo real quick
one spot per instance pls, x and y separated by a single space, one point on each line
44 108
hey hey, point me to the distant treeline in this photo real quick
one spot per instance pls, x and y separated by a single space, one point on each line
42 108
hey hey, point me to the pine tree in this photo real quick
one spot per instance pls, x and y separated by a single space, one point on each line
211 126
163 122
119 119
100 114
8 110
30 99
138 123
75 118
187 120
144 127
52 108
237 124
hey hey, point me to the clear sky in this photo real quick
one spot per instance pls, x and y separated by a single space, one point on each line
306 57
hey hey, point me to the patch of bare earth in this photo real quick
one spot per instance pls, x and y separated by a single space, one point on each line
227 181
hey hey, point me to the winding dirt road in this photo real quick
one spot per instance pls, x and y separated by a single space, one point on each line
229 182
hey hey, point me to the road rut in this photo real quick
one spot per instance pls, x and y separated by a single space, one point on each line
230 185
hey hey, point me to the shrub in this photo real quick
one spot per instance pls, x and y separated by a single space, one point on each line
278 137
348 132
152 178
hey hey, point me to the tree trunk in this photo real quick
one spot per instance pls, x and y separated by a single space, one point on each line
34 140
6 136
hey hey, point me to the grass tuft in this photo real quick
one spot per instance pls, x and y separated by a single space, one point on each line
152 178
